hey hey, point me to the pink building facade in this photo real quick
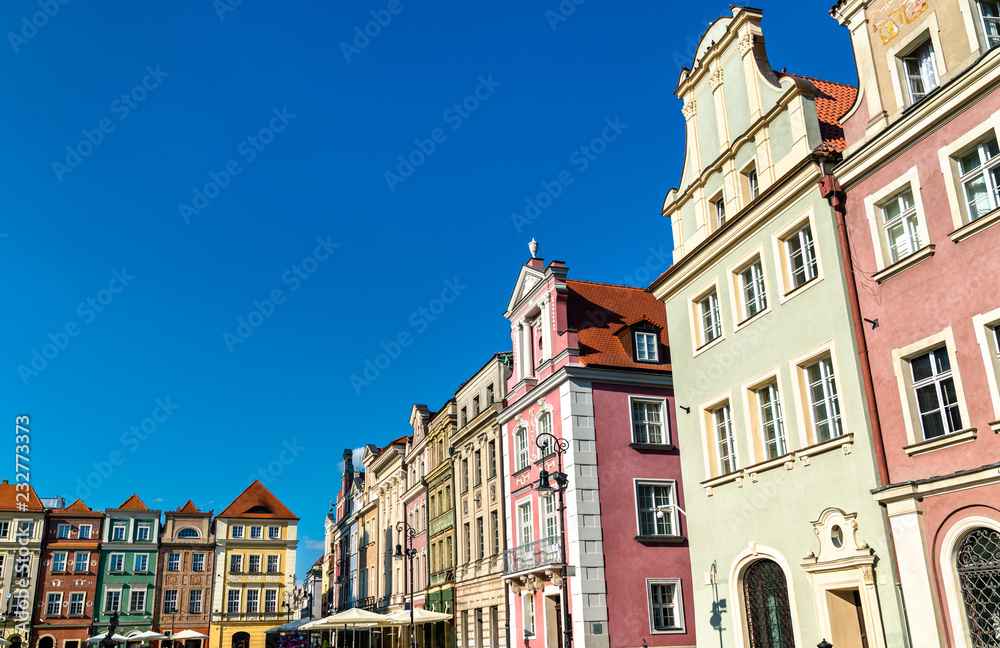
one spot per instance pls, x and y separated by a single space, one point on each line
591 368
922 179
415 499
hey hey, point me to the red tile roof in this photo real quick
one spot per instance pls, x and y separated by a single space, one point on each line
832 101
133 504
257 502
599 310
79 507
10 502
190 508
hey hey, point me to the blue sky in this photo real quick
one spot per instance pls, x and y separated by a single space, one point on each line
214 215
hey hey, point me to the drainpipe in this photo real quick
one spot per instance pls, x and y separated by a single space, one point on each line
830 189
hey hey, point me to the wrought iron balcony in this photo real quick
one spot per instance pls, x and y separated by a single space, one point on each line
538 554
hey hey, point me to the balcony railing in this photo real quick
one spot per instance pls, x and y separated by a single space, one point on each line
541 553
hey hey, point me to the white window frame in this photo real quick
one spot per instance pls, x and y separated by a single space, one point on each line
113 594
77 598
174 561
62 531
664 422
550 518
802 399
718 211
948 156
82 535
667 519
776 409
111 559
737 285
234 599
237 560
826 377
699 343
902 46
274 532
4 530
259 532
237 531
143 533
115 528
987 326
253 601
196 560
57 561
53 598
522 455
528 614
270 600
920 69
277 563
944 410
678 604
76 561
524 533
985 22
167 599
987 170
724 434
648 349
710 318
874 204
195 596
250 569
134 594
753 183
904 379
145 560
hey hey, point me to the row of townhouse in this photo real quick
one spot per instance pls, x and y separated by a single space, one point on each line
230 577
813 454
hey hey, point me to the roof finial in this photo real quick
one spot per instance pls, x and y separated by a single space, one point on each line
533 246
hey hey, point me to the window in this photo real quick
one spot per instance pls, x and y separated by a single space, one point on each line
545 427
765 594
645 347
934 389
235 563
272 563
112 600
708 316
256 532
464 417
824 403
237 531
253 600
141 562
526 530
468 541
771 421
143 533
978 571
198 562
921 71
901 225
53 606
725 445
980 178
137 600
188 533
253 563
26 529
62 531
76 603
753 295
752 184
59 561
19 602
233 600
118 532
528 614
194 602
493 458
489 394
270 600
495 523
654 521
989 12
719 208
475 405
169 601
481 537
477 468
174 561
521 449
274 533
647 422
465 475
85 531
116 562
82 563
550 521
664 606
801 255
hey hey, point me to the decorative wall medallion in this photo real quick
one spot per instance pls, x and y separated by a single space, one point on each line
846 448
789 465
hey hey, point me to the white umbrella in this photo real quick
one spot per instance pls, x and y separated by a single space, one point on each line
144 636
188 634
420 615
351 617
4 642
100 637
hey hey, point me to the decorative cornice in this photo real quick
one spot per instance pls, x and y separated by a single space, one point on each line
690 109
715 79
746 43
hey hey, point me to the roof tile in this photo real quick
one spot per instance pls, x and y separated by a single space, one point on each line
257 496
10 502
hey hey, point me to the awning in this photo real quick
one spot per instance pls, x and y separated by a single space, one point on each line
291 626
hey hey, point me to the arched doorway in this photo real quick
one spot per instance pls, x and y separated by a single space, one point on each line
978 566
46 642
241 640
765 594
15 641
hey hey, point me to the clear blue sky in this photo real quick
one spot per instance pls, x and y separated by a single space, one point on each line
139 297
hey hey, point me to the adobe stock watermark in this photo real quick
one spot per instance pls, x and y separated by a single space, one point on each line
222 7
88 310
420 320
201 197
131 439
38 20
286 457
563 11
580 158
293 277
455 116
363 35
122 107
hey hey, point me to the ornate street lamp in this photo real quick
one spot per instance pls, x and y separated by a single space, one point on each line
559 446
408 533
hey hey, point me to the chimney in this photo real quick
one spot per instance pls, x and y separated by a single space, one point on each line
6 482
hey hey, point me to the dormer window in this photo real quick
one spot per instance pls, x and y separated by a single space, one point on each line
921 71
645 347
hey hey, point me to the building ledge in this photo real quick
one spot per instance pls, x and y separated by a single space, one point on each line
652 447
905 263
845 442
995 426
946 441
970 228
660 539
710 484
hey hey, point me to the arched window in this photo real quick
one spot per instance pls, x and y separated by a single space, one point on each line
188 532
241 640
545 427
978 567
769 618
46 642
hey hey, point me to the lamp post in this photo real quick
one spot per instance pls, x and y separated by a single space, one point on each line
560 446
408 533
